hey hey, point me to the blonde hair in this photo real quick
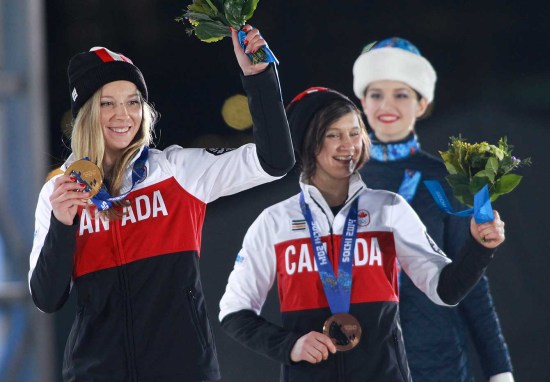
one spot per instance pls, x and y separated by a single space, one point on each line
87 141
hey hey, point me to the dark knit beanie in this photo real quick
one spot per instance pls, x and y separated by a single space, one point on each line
301 110
89 71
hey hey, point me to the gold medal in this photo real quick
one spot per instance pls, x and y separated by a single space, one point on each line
89 174
344 330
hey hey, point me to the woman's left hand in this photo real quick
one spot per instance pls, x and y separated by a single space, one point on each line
253 42
490 234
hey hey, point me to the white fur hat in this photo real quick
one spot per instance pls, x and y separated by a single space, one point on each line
394 59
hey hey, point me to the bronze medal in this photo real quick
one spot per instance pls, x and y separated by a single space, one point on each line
87 173
344 330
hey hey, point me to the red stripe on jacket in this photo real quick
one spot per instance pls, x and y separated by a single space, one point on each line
150 227
374 272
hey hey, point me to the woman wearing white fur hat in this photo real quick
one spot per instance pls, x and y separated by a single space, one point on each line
396 87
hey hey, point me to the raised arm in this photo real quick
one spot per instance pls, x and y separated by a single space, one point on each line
270 126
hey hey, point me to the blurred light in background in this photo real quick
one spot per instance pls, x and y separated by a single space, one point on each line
235 112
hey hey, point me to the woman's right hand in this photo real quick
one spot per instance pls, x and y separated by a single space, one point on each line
489 235
66 197
312 347
254 41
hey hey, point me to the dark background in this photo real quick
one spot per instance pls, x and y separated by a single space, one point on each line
493 68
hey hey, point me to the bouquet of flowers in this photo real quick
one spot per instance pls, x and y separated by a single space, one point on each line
471 166
210 20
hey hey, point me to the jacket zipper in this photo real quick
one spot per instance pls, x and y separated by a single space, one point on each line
195 317
341 367
80 317
330 225
397 356
128 327
339 360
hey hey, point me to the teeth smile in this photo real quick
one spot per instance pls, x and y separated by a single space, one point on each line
120 129
348 157
387 118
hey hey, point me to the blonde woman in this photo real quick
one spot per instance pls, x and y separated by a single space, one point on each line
131 251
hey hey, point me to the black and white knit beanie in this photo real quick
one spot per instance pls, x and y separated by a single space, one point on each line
89 71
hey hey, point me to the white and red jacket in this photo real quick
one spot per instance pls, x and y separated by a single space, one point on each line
278 247
141 314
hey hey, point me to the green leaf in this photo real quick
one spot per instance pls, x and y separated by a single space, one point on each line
199 17
507 183
460 186
488 174
233 10
478 182
492 165
499 153
465 198
205 10
446 155
461 191
201 6
456 180
462 200
211 4
452 159
249 8
451 168
211 31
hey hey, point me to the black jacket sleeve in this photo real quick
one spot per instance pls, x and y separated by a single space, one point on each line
51 278
261 336
270 126
459 277
482 321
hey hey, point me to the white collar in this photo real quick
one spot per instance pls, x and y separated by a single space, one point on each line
313 195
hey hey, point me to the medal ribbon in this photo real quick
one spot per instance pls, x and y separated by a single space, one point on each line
482 211
409 184
103 200
337 288
407 189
